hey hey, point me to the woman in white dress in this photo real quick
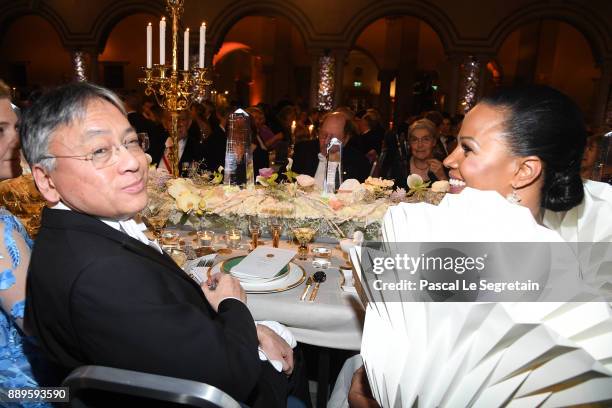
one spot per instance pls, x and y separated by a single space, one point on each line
526 144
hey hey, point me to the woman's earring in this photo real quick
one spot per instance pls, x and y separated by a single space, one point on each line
513 197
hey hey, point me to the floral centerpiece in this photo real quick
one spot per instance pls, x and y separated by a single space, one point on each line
355 207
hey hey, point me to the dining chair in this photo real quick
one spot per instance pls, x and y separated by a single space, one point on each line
91 384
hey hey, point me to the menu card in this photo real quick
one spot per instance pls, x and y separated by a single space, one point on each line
263 263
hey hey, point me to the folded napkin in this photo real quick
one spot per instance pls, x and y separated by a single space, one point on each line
263 263
197 272
283 332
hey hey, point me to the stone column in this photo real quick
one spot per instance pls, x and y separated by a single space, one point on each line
385 76
340 60
85 64
471 74
404 102
602 101
315 56
326 67
452 104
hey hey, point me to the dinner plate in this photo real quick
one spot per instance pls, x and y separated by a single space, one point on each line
228 264
293 278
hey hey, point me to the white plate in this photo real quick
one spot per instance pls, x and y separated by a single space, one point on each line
294 278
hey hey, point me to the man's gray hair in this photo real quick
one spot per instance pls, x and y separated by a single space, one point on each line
61 106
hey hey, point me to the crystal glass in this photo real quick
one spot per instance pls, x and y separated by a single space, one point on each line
303 235
275 229
169 239
255 230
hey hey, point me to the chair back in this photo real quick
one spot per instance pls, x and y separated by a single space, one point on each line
143 385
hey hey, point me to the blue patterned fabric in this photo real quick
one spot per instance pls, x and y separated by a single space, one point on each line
15 369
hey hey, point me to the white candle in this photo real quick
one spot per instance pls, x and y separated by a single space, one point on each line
186 51
149 46
162 41
202 43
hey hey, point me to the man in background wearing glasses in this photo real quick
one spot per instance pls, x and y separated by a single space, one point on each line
99 292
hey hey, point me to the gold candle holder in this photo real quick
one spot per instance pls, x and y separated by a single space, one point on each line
174 92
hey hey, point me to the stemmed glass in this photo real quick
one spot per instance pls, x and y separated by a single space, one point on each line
155 216
303 234
276 227
255 230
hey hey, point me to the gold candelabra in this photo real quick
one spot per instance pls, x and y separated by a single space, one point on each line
173 88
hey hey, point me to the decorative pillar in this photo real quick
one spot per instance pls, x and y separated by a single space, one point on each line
315 55
85 64
385 76
326 76
602 102
79 65
470 78
453 103
340 60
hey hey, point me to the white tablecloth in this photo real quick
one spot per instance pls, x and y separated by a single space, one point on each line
334 319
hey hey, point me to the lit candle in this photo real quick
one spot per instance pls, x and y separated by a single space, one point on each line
202 43
186 51
233 238
310 129
293 127
162 41
206 238
149 46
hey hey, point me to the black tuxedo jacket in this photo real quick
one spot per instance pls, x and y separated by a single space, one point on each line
97 296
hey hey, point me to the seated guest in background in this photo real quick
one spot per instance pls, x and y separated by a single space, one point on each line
155 131
216 144
371 135
191 145
259 148
590 157
99 292
447 140
355 165
15 370
421 140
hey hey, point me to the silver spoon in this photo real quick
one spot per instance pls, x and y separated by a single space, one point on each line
318 277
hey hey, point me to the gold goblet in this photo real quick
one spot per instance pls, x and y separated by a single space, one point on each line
303 235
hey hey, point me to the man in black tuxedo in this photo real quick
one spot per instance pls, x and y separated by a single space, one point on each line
355 165
99 292
155 131
191 145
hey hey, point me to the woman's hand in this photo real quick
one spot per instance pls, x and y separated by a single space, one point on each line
437 168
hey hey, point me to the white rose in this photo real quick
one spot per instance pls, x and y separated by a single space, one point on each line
441 186
304 180
349 185
414 180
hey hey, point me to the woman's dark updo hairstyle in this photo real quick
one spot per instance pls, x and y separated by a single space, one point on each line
545 123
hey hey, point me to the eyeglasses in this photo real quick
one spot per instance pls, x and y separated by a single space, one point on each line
106 156
424 140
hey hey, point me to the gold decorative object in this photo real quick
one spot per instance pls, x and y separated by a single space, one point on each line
174 89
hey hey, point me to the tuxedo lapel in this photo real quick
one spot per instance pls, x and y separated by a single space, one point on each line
63 219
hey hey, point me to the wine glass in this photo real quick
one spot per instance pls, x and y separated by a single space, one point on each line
303 234
155 216
276 227
255 230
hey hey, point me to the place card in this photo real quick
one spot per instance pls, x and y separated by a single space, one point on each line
263 262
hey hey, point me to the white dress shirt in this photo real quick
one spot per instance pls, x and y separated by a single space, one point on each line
129 227
320 173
